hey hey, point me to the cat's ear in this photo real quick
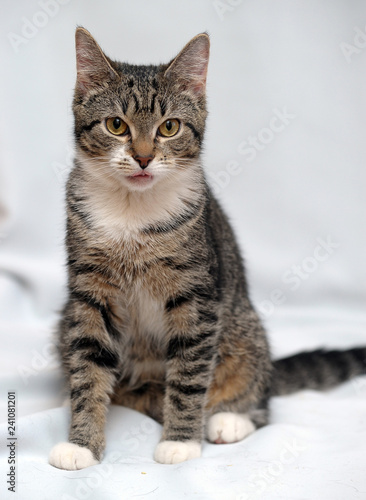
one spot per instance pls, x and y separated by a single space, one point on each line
189 68
92 66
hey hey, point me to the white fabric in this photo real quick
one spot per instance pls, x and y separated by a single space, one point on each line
314 448
287 75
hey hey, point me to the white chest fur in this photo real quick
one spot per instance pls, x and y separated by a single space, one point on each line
121 213
147 338
147 315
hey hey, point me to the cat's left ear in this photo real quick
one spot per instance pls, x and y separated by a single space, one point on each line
92 66
189 68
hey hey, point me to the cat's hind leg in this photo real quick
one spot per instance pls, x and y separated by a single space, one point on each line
228 427
237 402
233 421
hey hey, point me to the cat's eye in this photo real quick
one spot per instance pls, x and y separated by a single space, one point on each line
116 126
169 128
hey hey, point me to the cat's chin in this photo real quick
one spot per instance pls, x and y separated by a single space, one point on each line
139 182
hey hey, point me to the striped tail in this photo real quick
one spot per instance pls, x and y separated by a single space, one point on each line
317 370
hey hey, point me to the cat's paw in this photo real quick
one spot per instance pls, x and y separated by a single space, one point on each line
173 452
227 427
70 456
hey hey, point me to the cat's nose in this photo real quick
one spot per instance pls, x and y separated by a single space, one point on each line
143 160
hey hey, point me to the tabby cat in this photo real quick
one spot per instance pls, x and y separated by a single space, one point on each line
158 316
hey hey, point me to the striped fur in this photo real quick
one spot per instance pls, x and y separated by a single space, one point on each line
318 370
158 316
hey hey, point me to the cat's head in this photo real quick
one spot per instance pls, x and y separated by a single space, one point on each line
140 124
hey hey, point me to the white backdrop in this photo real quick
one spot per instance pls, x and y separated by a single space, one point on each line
284 151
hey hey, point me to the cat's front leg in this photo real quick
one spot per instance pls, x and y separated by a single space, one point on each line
90 356
190 359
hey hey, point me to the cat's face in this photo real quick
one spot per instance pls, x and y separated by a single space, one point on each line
139 124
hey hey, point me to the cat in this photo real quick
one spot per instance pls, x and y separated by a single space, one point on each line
158 316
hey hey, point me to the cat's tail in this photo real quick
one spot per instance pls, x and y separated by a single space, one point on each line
317 370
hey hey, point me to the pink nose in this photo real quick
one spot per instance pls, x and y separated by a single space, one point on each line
143 160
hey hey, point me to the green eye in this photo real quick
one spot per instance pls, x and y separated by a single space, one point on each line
169 128
116 126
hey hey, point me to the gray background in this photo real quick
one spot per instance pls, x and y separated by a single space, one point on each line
304 186
305 182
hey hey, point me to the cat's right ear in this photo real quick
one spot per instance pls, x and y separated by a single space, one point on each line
92 66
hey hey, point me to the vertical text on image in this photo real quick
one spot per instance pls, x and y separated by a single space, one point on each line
11 444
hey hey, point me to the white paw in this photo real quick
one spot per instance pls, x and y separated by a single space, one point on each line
227 427
70 456
173 452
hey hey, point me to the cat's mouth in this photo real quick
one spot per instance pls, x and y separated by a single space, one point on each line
143 173
141 177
